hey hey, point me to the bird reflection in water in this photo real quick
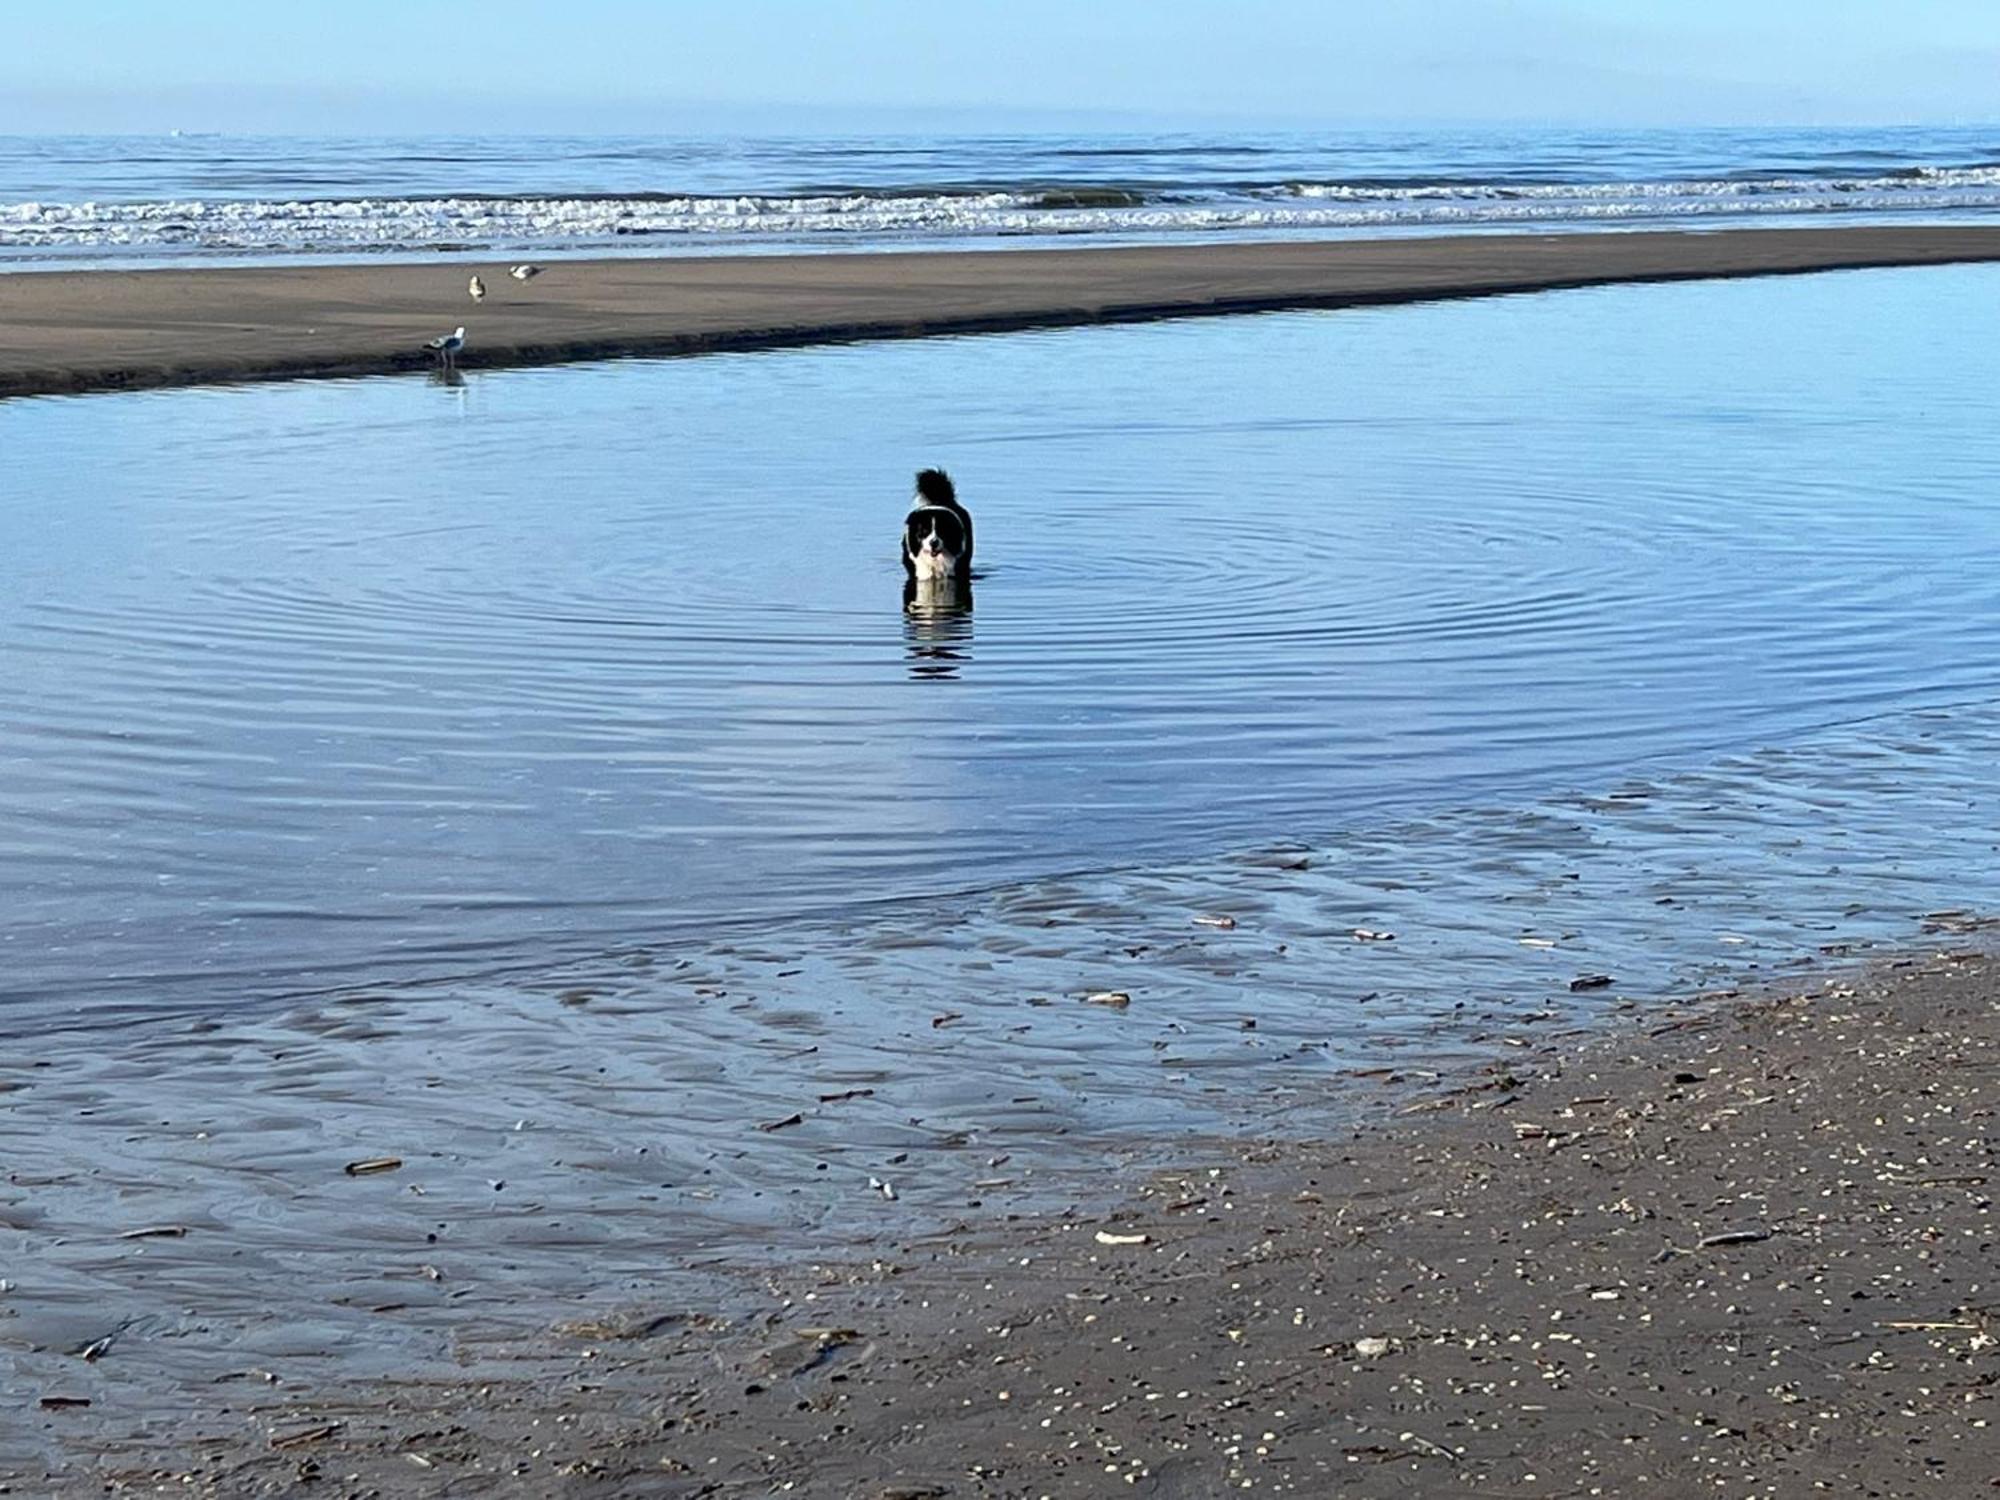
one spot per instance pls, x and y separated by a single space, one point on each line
448 375
937 627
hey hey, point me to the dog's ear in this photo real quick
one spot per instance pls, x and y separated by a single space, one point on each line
934 486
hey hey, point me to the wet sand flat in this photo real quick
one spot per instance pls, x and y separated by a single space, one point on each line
1741 1245
84 331
479 1199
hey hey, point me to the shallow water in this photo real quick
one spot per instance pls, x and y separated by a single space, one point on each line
355 683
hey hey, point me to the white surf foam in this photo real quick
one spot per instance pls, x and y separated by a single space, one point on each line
276 227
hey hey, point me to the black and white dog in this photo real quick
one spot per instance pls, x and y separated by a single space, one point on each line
937 537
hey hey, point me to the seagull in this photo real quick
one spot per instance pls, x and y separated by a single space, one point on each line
446 346
477 288
524 273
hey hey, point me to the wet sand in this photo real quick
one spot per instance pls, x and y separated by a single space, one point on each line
95 330
1740 1245
630 1172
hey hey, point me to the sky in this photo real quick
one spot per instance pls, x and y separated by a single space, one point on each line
589 66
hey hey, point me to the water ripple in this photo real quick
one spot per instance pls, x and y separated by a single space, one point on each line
309 683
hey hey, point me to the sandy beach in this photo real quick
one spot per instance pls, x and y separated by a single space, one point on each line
1421 921
1428 1151
87 331
1742 1240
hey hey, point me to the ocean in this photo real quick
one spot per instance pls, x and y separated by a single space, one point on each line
178 199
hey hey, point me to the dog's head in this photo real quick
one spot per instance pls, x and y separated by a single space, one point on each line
934 541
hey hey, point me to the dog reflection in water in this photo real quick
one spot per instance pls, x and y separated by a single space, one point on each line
937 577
937 628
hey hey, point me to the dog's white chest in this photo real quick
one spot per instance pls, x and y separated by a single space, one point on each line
932 567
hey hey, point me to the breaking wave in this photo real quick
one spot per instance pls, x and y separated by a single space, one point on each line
238 227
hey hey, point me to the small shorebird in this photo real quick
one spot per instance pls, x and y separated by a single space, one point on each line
524 273
477 288
446 346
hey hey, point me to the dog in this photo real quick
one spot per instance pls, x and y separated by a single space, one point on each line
937 536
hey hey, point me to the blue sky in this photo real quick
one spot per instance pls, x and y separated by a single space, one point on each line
503 66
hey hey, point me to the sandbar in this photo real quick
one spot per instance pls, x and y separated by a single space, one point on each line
78 331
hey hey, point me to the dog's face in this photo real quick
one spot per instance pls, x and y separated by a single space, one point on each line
933 541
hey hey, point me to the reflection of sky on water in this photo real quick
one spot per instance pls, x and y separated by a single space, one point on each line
347 678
